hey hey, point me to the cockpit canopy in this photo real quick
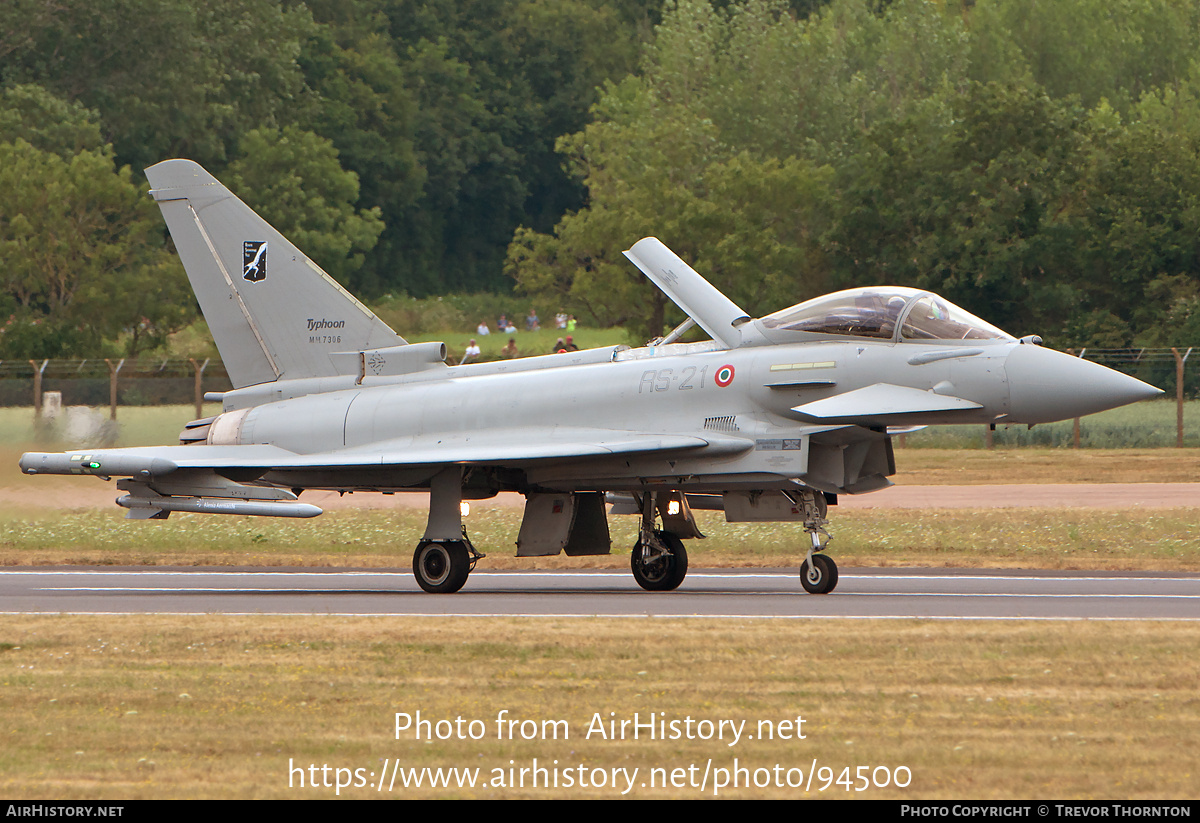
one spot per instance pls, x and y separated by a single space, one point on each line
884 312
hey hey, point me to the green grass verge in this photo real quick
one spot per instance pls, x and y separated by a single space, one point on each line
134 426
1000 538
1148 424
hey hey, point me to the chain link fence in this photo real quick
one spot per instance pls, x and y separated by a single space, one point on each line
112 382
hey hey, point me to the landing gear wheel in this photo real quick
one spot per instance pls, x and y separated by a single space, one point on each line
656 570
441 567
821 577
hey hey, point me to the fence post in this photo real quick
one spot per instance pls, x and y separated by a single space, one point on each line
1179 361
199 390
37 387
112 385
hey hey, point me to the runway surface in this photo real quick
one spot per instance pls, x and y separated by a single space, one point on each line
721 593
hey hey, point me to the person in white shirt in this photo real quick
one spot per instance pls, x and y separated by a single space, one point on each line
472 353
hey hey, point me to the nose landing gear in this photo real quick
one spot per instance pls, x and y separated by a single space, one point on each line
818 572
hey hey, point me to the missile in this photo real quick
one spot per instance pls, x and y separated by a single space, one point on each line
139 505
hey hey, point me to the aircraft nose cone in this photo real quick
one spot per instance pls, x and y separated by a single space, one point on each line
1046 385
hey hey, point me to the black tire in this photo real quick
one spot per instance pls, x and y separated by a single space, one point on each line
441 568
824 575
663 574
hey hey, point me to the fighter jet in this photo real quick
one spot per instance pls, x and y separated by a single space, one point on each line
769 419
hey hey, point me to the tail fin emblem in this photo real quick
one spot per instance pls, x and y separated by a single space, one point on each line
254 260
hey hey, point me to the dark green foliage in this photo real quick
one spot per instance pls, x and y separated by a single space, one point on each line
292 178
1036 162
48 123
169 78
84 261
973 206
470 97
447 114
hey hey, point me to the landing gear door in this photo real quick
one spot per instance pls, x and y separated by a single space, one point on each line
589 534
575 523
763 507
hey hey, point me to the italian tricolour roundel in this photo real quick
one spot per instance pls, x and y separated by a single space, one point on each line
724 376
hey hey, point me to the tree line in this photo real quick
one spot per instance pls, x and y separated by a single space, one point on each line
399 142
1036 163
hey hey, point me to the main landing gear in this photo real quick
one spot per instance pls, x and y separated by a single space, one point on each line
442 566
658 560
445 557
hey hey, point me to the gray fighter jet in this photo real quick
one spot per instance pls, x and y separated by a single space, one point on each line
769 420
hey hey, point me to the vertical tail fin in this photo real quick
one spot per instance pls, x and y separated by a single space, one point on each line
275 315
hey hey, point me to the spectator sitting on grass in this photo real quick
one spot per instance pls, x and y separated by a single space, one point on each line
472 353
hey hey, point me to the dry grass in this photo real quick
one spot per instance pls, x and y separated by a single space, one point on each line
217 707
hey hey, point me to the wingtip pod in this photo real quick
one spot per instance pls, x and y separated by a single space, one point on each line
116 463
